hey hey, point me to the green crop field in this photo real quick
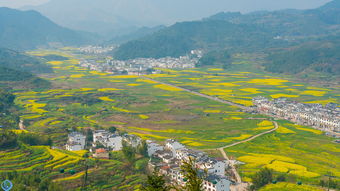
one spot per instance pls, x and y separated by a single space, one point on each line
80 98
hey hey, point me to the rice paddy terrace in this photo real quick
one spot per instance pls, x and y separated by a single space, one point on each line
154 110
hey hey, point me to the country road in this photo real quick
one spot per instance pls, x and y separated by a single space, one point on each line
203 95
276 126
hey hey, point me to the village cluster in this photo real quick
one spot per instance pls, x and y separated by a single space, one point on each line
96 49
166 158
325 118
138 66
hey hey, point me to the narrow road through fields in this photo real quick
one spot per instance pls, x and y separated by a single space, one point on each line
276 126
202 95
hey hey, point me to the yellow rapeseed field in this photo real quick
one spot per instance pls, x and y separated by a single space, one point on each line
146 81
244 136
314 93
167 87
285 186
108 89
284 130
133 85
106 99
282 95
251 90
143 116
77 75
273 82
265 123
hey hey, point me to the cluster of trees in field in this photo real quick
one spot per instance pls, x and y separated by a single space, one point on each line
8 112
34 180
10 140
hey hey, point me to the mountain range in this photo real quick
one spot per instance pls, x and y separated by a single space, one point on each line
29 29
258 31
118 17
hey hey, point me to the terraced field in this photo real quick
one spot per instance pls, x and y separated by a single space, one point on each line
27 158
81 98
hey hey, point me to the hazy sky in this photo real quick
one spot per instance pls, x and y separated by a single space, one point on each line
228 5
20 3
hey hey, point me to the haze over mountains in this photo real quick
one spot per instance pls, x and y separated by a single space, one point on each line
236 31
115 17
30 29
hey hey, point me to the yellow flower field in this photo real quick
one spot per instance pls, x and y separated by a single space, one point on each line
77 75
212 111
273 82
124 77
285 186
284 130
242 137
314 93
251 90
167 87
106 99
282 95
108 89
146 81
133 85
121 110
143 116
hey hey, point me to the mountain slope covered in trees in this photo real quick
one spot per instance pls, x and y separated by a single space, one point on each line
29 30
19 69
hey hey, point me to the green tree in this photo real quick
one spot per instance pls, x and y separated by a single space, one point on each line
8 140
155 182
129 152
263 177
112 129
143 149
193 176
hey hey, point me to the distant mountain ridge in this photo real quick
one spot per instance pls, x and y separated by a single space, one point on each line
29 30
235 31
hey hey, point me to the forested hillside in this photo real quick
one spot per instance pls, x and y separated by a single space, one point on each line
318 56
296 40
180 38
16 70
29 30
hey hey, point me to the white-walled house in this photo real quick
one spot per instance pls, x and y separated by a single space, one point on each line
173 145
216 183
213 166
132 140
108 140
76 141
153 147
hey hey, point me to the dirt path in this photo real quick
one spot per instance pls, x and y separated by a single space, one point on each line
276 126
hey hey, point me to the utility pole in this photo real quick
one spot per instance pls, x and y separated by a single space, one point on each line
85 176
329 175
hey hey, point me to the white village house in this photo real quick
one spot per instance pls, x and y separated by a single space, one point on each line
76 141
107 139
